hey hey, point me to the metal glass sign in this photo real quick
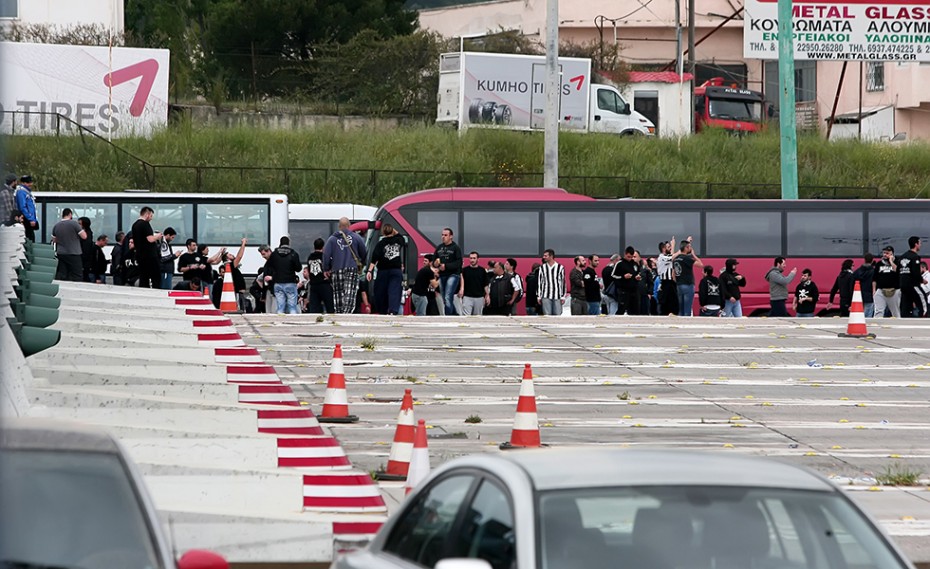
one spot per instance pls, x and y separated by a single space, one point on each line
853 30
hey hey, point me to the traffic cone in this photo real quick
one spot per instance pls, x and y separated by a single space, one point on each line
856 326
336 402
228 298
402 448
526 424
419 461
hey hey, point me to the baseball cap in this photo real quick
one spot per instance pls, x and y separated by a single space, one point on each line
27 179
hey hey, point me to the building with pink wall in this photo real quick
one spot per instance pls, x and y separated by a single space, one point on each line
646 33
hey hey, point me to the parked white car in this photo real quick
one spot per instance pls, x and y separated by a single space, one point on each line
597 508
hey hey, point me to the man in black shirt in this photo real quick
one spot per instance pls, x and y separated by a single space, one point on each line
913 302
450 269
531 291
684 276
425 284
885 291
319 289
592 286
473 289
145 240
501 293
626 273
806 296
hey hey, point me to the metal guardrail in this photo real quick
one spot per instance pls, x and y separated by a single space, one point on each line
318 184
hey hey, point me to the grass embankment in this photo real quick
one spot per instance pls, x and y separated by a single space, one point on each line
505 158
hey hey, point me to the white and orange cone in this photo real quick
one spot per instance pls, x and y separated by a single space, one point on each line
402 447
526 423
228 301
856 326
336 402
419 460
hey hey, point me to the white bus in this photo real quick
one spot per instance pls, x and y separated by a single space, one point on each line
217 220
311 220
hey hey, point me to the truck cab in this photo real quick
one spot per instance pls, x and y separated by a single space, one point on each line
729 107
610 112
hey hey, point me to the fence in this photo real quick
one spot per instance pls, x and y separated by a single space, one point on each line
376 186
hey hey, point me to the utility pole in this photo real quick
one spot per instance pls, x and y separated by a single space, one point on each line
787 121
678 37
691 39
553 97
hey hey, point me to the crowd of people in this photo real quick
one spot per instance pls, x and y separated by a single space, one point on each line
336 279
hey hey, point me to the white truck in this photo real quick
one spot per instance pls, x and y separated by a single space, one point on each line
508 91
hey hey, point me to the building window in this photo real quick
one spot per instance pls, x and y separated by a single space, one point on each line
875 76
805 82
9 9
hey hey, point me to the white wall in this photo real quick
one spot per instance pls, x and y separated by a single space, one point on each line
64 13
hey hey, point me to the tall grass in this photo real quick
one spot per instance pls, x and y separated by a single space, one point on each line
438 157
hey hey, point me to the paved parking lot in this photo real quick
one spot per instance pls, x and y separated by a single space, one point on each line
852 409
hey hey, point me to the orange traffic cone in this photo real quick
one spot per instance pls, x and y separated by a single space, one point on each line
526 424
228 298
336 402
419 461
856 327
402 448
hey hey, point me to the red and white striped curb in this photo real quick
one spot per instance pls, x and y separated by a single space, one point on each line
355 531
337 492
289 422
237 355
316 452
184 294
228 339
193 301
205 313
267 395
251 374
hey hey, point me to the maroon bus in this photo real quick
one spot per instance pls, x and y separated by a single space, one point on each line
522 222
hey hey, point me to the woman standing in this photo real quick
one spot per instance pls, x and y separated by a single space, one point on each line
388 257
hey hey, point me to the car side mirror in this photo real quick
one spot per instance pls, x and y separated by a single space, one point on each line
201 559
462 563
626 109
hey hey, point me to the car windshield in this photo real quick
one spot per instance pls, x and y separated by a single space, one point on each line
734 109
71 510
707 528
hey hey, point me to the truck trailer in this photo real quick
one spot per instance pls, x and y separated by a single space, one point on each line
508 91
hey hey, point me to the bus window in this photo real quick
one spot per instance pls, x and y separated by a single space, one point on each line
501 233
644 229
825 233
431 223
304 232
894 227
103 216
176 215
572 233
229 223
743 233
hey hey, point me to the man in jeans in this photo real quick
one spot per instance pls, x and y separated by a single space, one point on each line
551 285
778 287
425 284
450 269
285 265
684 265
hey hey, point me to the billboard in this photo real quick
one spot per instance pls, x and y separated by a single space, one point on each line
853 30
508 91
111 92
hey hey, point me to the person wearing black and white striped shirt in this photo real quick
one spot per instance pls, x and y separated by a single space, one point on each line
551 285
668 289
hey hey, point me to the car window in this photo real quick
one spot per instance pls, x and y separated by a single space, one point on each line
421 531
72 509
487 529
714 528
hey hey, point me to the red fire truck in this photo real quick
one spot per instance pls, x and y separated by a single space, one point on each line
728 107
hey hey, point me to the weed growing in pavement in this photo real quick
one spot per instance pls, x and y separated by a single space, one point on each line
473 419
320 319
625 396
898 474
409 378
369 343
